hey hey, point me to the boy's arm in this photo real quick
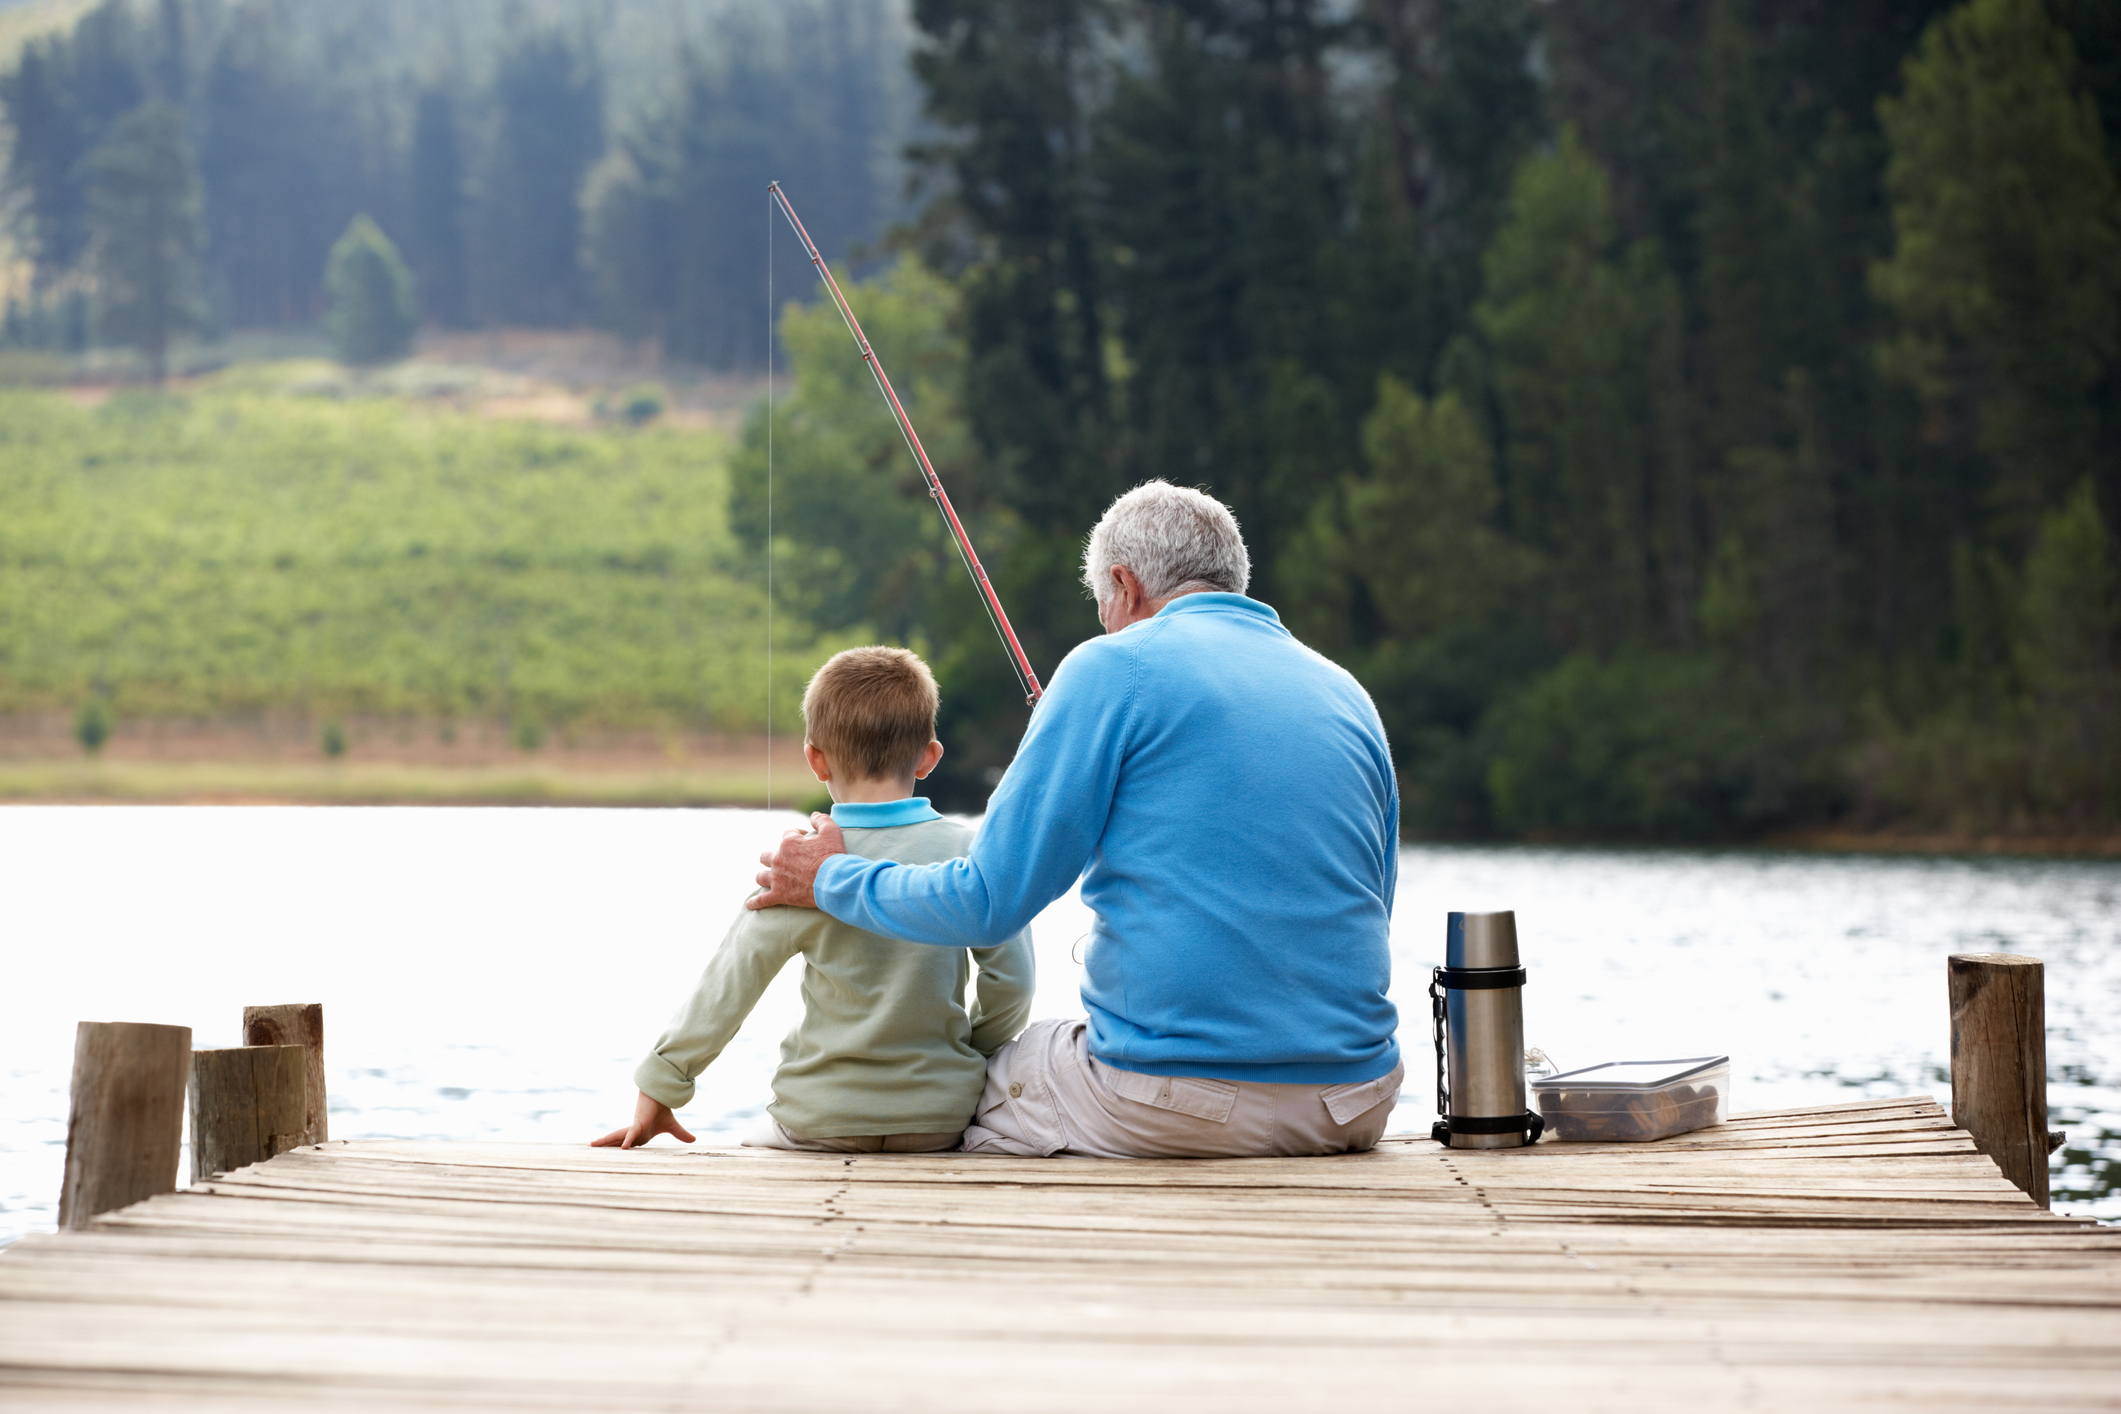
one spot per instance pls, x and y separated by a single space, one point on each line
1001 1002
757 946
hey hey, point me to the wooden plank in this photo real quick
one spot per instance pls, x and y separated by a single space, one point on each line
1860 1256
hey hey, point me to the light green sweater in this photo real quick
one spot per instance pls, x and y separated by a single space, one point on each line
885 1045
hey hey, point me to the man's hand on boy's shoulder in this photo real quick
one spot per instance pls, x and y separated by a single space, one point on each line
790 875
650 1118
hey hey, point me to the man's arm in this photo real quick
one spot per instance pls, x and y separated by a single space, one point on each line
1043 823
1008 975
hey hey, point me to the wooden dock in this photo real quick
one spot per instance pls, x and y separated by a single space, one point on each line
1859 1256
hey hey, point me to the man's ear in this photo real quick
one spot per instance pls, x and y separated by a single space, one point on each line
820 763
930 755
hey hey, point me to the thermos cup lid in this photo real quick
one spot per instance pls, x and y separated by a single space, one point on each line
1481 940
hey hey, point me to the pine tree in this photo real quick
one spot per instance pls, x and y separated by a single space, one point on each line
439 207
1567 324
1423 532
61 100
144 232
2005 274
172 54
1774 585
548 97
277 174
372 318
2069 639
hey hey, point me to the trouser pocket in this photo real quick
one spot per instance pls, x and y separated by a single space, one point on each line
1018 1112
1211 1100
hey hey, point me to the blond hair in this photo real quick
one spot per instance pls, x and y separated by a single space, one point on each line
872 710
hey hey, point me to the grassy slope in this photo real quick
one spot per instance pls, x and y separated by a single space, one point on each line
229 552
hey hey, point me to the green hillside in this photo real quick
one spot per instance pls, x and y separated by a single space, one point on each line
228 552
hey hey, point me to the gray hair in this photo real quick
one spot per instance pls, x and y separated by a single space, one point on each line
1175 539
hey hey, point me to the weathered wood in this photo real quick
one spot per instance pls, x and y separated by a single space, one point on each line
1646 1278
125 1117
1999 1062
248 1103
295 1024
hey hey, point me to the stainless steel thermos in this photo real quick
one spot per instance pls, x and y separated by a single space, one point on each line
1477 1002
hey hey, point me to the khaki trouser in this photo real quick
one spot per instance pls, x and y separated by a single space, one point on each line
770 1133
1047 1095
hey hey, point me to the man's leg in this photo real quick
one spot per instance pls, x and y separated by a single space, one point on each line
1046 1095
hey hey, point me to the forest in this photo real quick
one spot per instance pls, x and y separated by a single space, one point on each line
536 165
1690 419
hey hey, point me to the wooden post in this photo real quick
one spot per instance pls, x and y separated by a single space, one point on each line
125 1118
248 1103
301 1024
1999 1062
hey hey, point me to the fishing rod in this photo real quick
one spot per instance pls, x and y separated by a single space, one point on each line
1025 677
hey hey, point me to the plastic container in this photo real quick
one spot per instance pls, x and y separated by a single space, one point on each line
1635 1101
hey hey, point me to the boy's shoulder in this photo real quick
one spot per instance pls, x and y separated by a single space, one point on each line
924 842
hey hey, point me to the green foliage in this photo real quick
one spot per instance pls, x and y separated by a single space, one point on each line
796 92
92 725
859 536
332 739
235 553
1568 319
2005 274
372 317
1648 746
1422 532
305 115
2069 635
144 232
528 734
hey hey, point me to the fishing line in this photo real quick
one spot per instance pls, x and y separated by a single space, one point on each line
769 501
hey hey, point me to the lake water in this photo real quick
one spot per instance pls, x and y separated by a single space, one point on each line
495 974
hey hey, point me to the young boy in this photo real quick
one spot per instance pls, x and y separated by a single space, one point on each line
885 1059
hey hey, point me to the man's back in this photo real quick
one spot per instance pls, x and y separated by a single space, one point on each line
1227 797
1243 879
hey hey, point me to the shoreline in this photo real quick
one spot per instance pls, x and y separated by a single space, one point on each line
391 763
733 776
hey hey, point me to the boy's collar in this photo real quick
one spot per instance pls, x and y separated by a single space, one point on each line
878 814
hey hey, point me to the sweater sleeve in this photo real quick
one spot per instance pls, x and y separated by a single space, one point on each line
1043 822
753 952
1008 975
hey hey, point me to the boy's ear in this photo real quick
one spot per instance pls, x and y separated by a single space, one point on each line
930 755
820 763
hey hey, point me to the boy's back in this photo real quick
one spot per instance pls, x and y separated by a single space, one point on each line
885 1045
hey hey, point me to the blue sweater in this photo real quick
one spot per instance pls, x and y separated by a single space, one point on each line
1226 797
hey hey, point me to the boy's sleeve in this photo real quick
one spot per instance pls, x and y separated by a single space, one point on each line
1001 1001
757 946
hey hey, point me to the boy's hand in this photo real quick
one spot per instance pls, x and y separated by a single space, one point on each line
650 1118
791 870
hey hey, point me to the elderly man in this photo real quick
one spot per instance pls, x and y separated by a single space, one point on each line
1226 797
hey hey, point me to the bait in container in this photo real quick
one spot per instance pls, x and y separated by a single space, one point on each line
1635 1101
